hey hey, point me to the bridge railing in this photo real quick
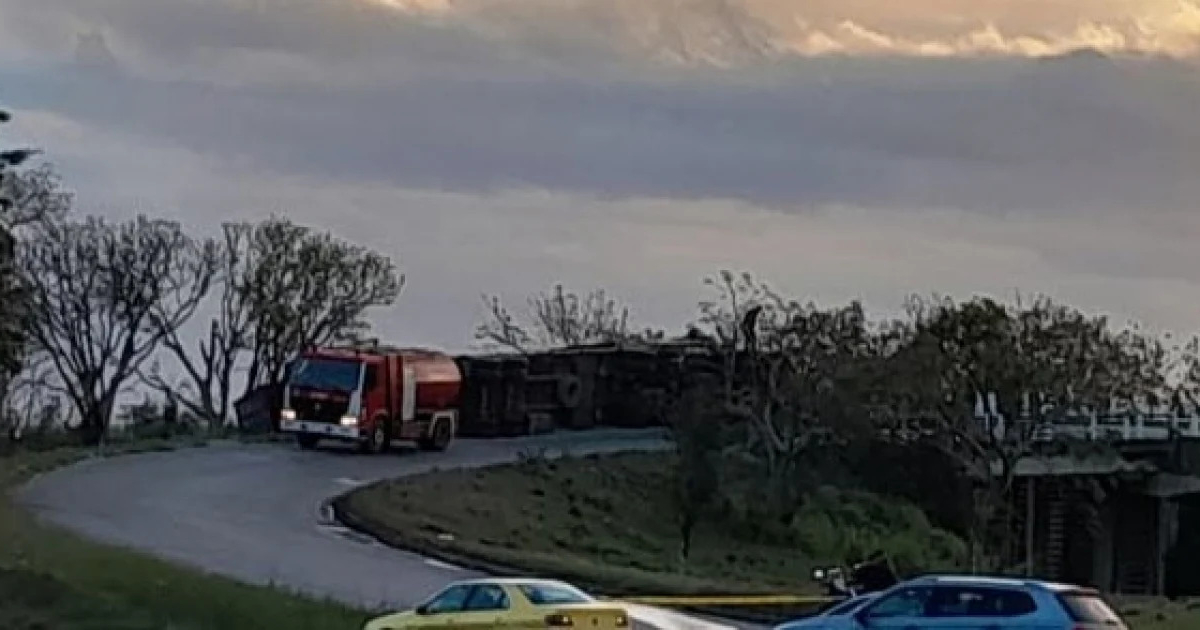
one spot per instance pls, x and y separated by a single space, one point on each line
1121 427
1099 427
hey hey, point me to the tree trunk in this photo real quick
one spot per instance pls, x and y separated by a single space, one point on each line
94 418
91 426
225 394
252 374
784 494
687 524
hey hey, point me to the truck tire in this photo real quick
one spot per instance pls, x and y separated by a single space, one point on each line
440 436
380 438
570 391
307 441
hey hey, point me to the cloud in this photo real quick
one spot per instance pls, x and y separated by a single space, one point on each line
726 32
408 35
501 145
653 252
1068 134
1022 28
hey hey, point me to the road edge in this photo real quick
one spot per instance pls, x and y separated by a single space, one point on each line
386 535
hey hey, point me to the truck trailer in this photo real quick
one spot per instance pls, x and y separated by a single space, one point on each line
373 397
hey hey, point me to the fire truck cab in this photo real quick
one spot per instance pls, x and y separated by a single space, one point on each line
372 396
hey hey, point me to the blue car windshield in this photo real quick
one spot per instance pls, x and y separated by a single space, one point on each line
328 374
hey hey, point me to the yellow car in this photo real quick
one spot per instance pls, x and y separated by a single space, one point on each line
507 603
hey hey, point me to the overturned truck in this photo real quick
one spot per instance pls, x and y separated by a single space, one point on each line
578 387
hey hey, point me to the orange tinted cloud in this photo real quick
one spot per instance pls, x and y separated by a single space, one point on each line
720 31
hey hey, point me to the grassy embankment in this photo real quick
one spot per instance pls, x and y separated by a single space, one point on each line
609 524
53 580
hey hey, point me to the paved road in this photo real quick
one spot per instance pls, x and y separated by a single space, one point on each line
256 512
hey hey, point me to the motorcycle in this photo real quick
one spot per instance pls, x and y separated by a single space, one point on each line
869 576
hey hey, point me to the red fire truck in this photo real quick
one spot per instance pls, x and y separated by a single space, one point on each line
372 396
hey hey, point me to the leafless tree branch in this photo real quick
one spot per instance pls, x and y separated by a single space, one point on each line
103 297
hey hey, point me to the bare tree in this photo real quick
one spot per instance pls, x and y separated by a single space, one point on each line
102 296
794 377
559 318
300 288
209 370
724 319
724 316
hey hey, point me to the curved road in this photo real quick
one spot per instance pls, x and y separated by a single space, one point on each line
257 512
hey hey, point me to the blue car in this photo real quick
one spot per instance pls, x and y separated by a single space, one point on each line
840 609
962 602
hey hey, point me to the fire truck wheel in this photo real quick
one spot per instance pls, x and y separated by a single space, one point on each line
380 438
307 441
439 436
570 391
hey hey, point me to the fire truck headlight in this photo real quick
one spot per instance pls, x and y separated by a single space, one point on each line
349 421
288 414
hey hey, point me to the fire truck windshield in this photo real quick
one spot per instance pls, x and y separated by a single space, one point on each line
328 374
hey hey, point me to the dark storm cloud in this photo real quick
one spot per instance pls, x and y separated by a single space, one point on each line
356 91
1074 133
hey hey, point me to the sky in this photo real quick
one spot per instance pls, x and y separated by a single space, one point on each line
839 149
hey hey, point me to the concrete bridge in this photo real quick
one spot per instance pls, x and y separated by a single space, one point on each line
1111 519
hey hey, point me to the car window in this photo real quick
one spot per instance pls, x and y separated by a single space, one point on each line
486 597
550 594
450 600
908 602
1088 608
1012 603
973 601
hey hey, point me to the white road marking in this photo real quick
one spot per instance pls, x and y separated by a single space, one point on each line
347 481
348 534
443 565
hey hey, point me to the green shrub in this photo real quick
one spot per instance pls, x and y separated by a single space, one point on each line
845 526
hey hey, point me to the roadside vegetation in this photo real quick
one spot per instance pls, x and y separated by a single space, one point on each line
611 523
810 434
53 580
783 398
1159 614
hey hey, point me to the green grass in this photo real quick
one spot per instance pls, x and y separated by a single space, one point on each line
53 580
1158 614
607 523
